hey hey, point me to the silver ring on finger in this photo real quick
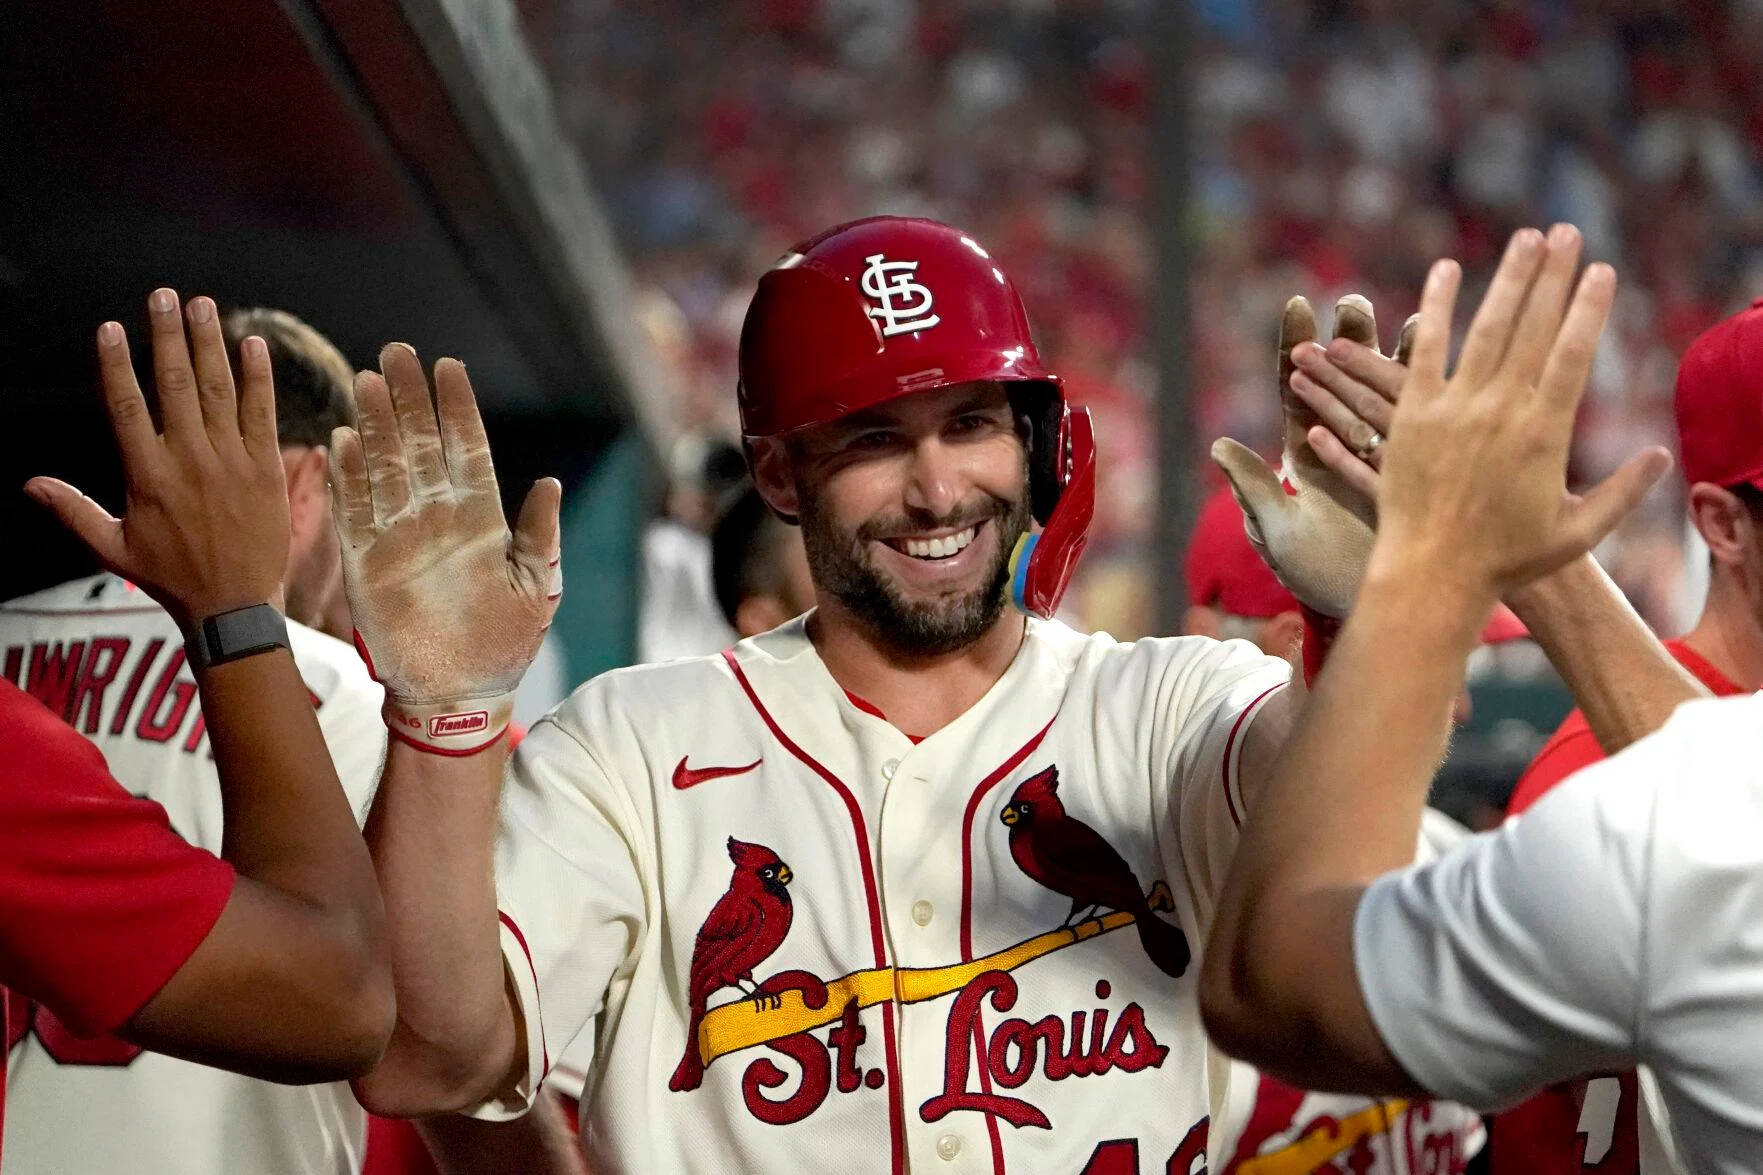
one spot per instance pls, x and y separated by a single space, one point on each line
1372 444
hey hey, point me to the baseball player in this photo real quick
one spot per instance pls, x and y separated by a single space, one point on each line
912 881
109 921
107 659
1610 925
1615 1122
1267 1124
1610 1123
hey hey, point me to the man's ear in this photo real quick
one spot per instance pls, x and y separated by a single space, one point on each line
1722 520
307 473
773 475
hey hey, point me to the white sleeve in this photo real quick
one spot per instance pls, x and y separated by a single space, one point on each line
355 733
1514 961
1205 705
349 703
570 894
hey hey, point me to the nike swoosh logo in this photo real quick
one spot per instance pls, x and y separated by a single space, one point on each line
684 777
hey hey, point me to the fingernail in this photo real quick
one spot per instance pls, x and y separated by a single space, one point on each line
253 348
201 310
163 300
1562 235
110 334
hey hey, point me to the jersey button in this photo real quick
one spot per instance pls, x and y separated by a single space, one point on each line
888 769
948 1147
921 912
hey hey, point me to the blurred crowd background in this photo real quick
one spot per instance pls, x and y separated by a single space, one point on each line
1341 146
1338 145
407 171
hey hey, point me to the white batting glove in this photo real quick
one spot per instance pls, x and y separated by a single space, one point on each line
1317 538
449 606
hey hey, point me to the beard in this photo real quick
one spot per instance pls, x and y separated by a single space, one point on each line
843 569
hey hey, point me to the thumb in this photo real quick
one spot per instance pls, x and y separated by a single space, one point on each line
1256 487
1607 503
91 523
534 548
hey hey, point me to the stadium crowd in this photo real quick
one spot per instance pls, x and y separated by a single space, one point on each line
1337 147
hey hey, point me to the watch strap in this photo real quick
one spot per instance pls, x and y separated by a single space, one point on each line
229 636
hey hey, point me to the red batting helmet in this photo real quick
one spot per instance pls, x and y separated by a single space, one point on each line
890 306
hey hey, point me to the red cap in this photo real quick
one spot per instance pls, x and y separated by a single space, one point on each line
1503 626
1720 402
1223 570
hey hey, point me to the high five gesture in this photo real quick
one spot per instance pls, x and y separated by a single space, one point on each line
449 606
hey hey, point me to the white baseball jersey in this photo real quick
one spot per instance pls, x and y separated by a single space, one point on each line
1271 1128
1620 921
106 658
804 941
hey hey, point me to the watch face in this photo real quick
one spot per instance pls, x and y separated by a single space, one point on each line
236 634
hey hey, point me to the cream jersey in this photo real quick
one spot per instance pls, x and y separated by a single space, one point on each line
1271 1128
110 661
1616 923
785 936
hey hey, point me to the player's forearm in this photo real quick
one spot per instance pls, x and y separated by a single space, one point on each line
1341 807
1622 678
289 826
303 931
288 822
432 834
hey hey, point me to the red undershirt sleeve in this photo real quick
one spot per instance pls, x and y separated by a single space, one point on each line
100 901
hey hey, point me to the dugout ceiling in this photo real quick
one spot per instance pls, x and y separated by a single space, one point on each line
318 155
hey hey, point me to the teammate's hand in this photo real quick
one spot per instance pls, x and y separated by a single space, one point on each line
205 517
449 607
1473 488
1353 390
1317 538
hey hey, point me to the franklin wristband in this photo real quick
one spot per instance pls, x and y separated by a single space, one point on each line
450 728
230 636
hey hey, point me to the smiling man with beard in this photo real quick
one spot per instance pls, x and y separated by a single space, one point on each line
921 1000
927 580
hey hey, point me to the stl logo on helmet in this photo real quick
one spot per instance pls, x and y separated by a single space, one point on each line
901 304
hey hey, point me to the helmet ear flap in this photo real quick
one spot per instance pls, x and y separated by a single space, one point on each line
1046 414
1042 564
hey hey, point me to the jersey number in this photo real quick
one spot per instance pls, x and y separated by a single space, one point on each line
59 1041
1120 1156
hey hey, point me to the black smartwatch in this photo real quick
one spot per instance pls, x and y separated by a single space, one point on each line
229 636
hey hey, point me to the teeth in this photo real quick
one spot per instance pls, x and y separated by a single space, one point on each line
940 548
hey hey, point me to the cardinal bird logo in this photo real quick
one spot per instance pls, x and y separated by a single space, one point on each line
1069 857
745 926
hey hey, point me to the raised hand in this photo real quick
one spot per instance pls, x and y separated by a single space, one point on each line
205 518
1473 480
1318 538
449 606
1353 390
